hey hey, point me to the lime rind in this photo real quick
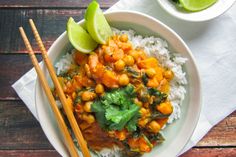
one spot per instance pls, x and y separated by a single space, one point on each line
196 5
79 38
97 24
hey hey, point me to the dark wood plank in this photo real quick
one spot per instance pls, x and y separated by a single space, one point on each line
19 129
50 23
195 152
28 153
52 3
210 152
12 67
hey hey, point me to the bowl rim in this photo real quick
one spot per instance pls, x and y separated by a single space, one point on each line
194 122
196 20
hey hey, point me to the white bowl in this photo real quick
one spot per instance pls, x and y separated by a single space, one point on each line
178 133
212 12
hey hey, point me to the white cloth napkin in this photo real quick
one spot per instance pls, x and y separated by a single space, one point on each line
213 44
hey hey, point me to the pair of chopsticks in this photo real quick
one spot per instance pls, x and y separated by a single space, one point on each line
69 113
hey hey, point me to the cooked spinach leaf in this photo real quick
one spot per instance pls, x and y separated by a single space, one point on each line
156 137
158 115
145 79
159 96
132 72
77 100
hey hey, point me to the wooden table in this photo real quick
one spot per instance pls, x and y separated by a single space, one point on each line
20 133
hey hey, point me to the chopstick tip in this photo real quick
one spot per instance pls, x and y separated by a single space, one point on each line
21 29
31 21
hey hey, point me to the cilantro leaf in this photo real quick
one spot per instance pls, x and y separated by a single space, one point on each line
116 109
97 107
125 117
132 124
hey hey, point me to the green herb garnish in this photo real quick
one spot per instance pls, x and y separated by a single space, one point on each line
116 109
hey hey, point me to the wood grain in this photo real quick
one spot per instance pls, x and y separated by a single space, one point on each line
210 152
12 67
52 3
29 153
20 130
50 23
195 152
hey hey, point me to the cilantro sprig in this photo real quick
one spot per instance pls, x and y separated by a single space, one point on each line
116 110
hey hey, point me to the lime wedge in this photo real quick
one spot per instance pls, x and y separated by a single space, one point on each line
79 38
96 23
196 5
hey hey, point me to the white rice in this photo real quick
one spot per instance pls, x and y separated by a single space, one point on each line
64 63
155 47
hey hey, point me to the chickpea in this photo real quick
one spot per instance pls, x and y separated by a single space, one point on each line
87 96
129 60
73 95
154 127
126 46
150 72
87 106
119 65
108 51
143 111
123 80
99 89
143 122
124 38
165 108
168 74
89 118
134 54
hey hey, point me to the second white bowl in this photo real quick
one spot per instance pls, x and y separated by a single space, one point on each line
212 12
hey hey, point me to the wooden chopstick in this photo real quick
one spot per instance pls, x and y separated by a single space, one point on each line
61 123
68 111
